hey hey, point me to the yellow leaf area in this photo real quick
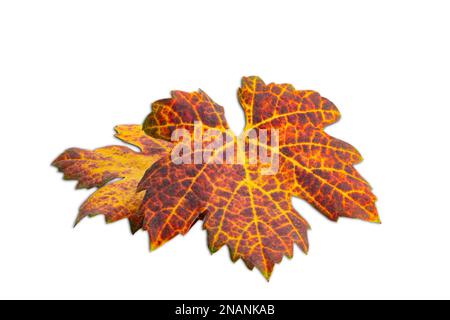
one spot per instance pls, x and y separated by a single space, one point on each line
242 208
116 172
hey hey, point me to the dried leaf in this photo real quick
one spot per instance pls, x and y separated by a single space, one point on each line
116 171
243 207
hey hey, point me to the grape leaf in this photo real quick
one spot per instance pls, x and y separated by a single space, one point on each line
250 212
116 171
242 206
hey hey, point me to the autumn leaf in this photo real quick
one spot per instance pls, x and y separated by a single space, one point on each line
116 172
242 208
244 201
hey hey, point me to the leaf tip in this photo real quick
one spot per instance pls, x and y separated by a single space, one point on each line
376 220
77 221
212 250
267 275
153 246
134 228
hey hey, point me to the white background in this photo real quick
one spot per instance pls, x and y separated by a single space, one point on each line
71 70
